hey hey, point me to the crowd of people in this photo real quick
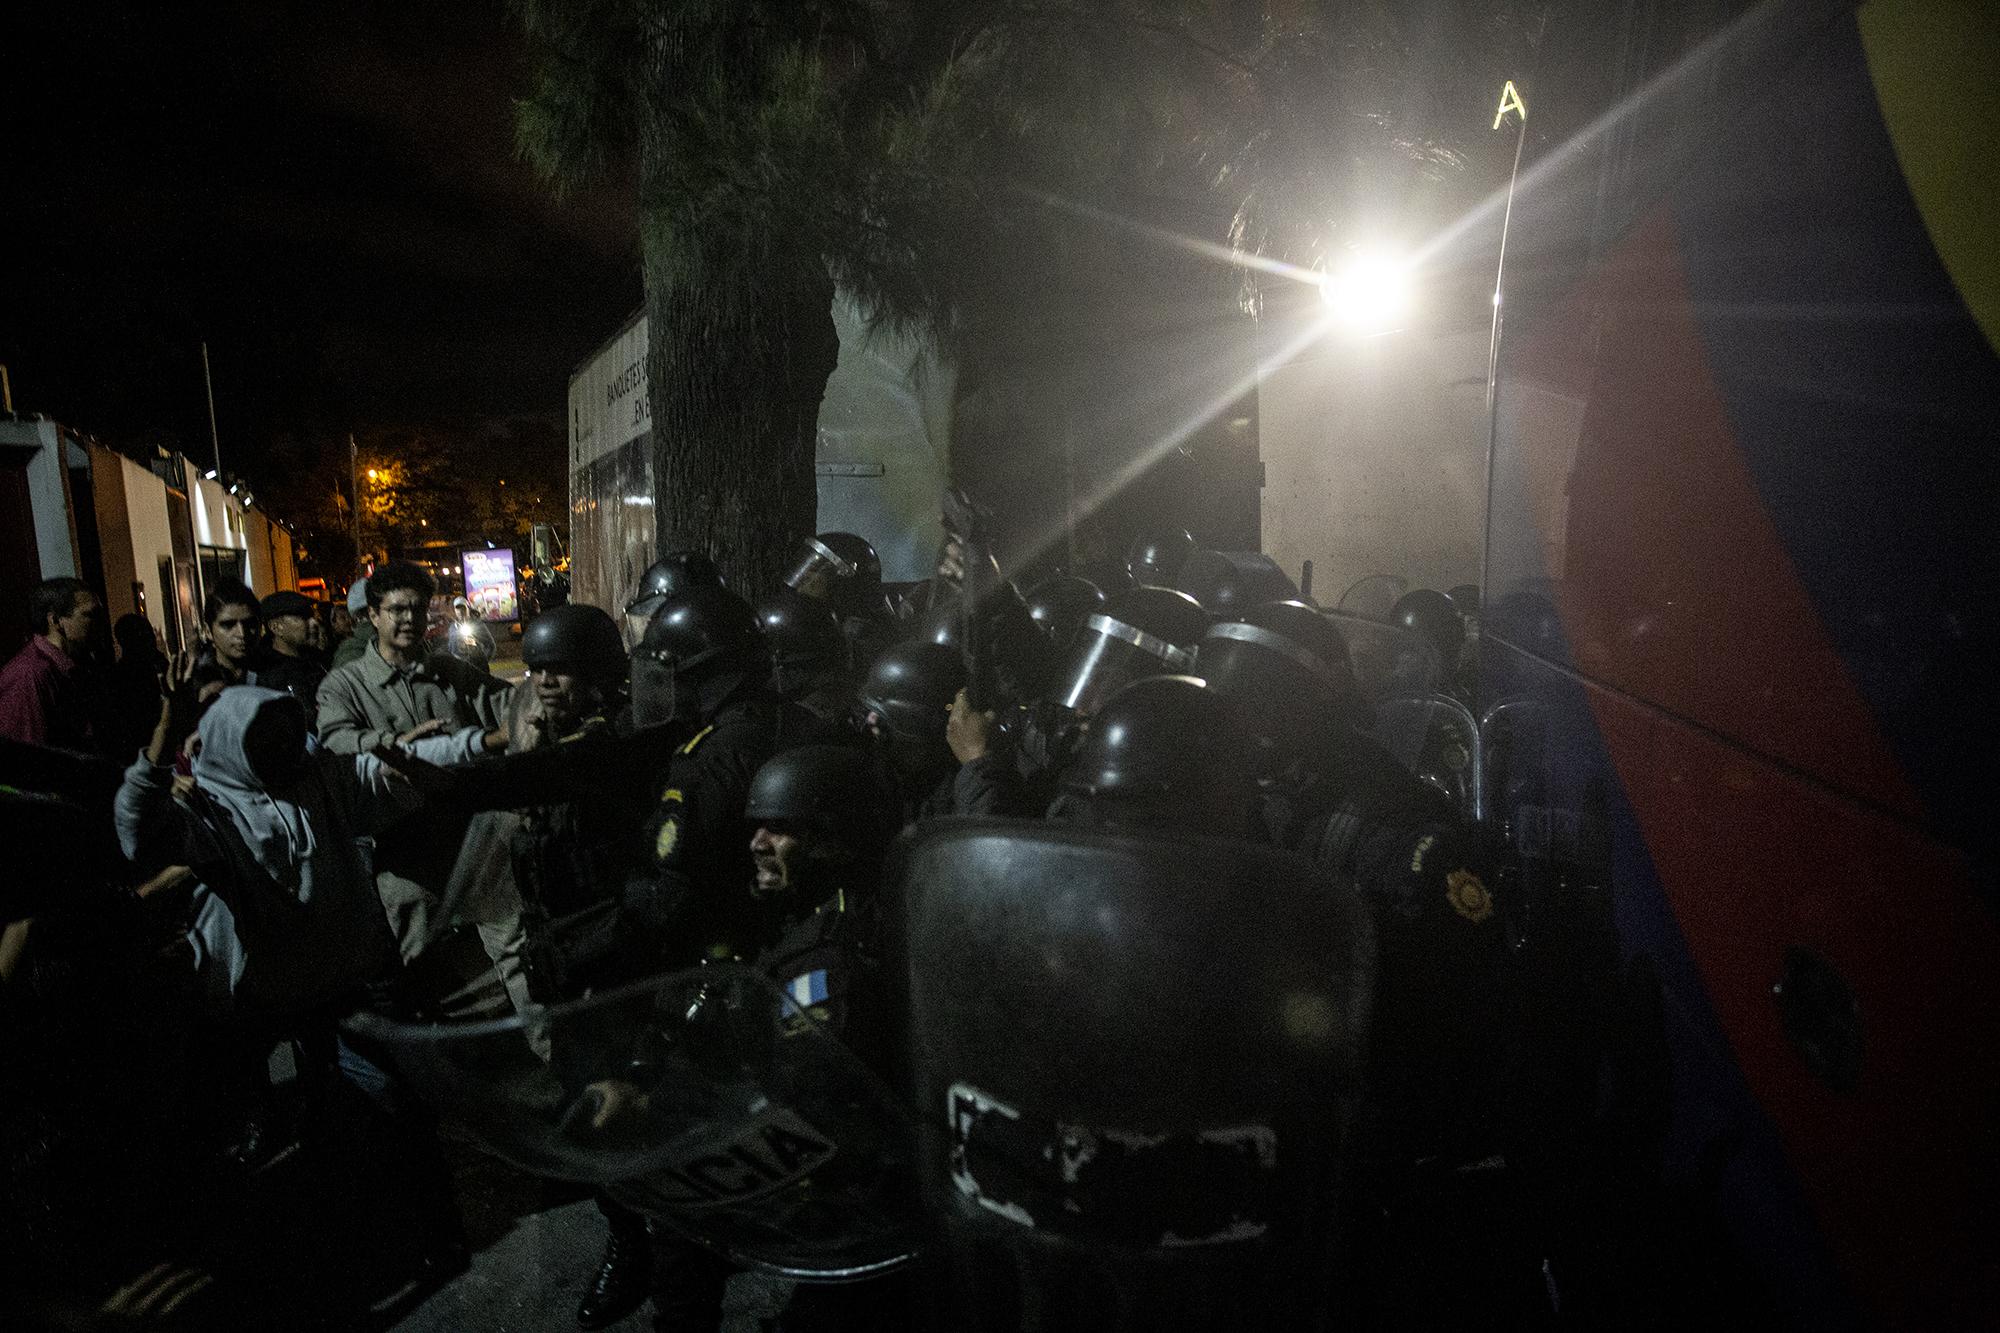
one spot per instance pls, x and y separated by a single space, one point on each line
296 820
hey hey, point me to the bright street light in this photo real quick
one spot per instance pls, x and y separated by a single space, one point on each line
1369 292
373 474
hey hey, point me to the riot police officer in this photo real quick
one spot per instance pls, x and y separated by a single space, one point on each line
906 705
703 663
572 858
665 579
1059 605
1227 584
1435 619
1007 652
1164 753
1155 558
809 654
1331 791
816 822
821 821
842 570
1146 631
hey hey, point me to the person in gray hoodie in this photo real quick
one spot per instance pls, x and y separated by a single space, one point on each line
286 916
288 931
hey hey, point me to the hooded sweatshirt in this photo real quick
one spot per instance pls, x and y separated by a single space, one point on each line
297 921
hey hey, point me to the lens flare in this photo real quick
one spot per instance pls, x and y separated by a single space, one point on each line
1369 292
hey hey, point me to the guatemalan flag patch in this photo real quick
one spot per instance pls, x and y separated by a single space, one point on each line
808 988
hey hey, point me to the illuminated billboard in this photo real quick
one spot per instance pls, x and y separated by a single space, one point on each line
489 584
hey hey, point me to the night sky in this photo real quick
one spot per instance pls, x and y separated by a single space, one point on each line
326 192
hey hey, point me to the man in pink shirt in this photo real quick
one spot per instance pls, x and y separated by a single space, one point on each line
41 695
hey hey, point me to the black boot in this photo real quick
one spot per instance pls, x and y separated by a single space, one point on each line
625 1277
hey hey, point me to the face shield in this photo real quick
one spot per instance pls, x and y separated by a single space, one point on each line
637 616
1108 655
819 571
656 696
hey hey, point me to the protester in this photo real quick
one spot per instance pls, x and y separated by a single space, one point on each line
129 698
287 928
44 699
318 641
360 635
289 662
233 623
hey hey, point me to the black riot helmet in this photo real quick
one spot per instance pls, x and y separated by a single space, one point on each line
842 569
911 686
832 789
1166 752
1434 618
1060 604
665 579
700 640
1144 632
1227 583
804 639
574 637
1155 558
1017 647
1283 667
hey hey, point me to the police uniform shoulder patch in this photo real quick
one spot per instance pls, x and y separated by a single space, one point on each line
1468 895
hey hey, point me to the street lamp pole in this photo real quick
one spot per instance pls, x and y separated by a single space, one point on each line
208 384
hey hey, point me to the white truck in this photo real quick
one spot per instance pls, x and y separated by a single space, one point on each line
880 457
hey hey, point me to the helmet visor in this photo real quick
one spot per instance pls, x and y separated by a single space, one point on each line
654 696
1108 655
818 570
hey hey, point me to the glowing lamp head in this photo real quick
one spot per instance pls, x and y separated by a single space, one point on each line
1369 292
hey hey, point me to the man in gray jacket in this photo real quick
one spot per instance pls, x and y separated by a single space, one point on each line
398 692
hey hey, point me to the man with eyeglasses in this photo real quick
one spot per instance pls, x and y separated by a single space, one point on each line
396 692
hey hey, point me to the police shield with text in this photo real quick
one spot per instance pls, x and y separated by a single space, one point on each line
1137 1059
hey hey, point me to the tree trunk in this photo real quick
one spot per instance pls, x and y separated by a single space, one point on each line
737 367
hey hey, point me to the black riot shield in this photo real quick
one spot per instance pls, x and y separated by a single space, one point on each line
1135 1063
1427 731
706 1098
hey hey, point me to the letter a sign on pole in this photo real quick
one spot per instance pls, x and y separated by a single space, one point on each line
1510 100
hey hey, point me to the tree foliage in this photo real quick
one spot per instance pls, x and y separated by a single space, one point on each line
987 173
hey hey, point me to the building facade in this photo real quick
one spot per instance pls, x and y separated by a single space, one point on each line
149 538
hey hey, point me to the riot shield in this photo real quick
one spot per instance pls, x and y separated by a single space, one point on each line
1135 1062
1389 662
1428 732
707 1098
1373 595
1436 737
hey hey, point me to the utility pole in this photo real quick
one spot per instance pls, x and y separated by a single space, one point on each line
208 383
354 493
